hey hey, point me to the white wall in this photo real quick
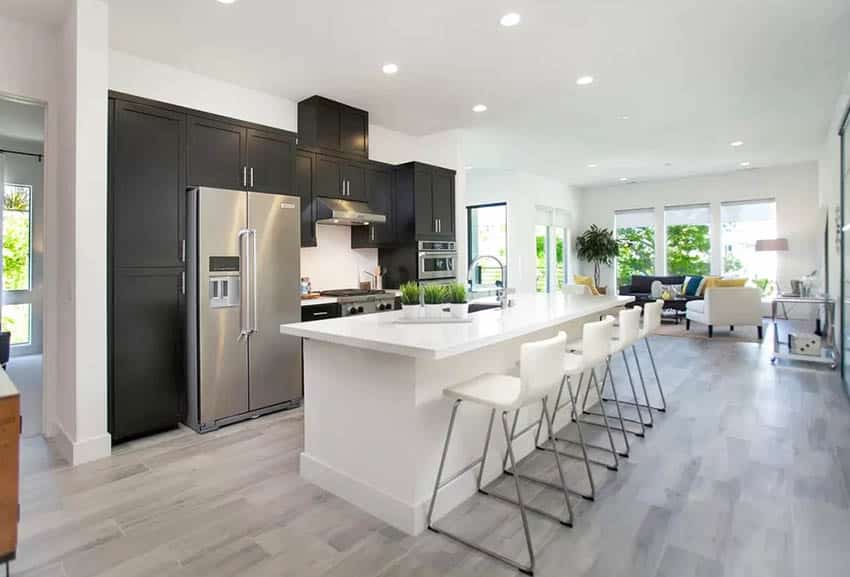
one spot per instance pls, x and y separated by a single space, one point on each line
332 263
795 188
31 65
523 193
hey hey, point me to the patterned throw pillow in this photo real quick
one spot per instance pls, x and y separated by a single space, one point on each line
670 291
693 286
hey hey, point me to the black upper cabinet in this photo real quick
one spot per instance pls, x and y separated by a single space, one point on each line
379 186
217 153
305 163
424 202
340 178
443 202
147 168
333 127
270 157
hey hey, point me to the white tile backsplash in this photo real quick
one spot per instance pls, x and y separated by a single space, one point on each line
333 264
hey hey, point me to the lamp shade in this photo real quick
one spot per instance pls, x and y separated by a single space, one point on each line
771 244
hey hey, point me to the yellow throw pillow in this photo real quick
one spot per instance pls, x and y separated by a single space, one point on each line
730 282
586 281
710 281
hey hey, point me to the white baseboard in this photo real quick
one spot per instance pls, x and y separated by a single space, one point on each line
79 452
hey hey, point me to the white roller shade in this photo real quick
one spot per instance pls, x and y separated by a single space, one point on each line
644 217
748 211
691 214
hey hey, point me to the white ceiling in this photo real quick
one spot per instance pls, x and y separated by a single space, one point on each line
691 75
21 120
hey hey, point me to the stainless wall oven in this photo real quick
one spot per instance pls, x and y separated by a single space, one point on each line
437 260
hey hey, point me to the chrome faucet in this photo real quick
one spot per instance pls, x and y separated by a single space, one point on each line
501 292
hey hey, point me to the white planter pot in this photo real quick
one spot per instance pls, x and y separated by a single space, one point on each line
460 310
411 311
434 311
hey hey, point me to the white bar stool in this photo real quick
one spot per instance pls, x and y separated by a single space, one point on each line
628 335
541 369
595 349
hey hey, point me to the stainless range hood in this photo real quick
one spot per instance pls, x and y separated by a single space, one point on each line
346 213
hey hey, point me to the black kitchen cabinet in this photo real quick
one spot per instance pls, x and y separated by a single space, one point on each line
232 155
305 163
148 177
333 127
146 211
424 203
270 157
339 178
379 188
148 365
217 153
320 312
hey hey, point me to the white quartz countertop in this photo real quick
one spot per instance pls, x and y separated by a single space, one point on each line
530 313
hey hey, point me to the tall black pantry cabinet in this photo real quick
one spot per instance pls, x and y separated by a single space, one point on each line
146 251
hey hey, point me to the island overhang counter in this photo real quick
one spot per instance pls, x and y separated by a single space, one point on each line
374 414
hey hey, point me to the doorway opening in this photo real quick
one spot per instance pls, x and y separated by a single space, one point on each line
22 226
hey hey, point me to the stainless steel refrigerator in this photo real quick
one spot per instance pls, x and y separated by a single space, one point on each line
243 282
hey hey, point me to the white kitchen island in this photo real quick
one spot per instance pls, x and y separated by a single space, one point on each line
374 415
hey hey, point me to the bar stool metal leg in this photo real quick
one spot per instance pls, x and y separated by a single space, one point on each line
663 407
530 568
622 428
442 463
605 418
551 424
486 448
581 442
643 386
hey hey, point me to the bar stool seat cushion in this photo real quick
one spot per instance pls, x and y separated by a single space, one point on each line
573 364
500 392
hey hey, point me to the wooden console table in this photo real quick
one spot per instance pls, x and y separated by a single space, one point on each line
10 431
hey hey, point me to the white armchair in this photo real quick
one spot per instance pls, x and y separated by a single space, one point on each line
726 306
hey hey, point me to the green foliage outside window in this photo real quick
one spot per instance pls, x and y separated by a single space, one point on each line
16 259
637 253
688 249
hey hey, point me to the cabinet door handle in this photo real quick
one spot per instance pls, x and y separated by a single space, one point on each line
183 282
320 314
347 188
183 250
252 177
342 186
245 176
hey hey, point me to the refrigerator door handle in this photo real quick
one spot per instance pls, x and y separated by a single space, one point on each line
245 272
254 323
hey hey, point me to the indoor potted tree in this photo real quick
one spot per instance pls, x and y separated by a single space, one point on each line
410 305
598 246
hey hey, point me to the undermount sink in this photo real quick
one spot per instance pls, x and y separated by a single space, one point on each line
477 307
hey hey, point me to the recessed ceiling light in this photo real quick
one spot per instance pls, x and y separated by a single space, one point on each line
736 143
584 80
592 165
390 68
226 1
623 117
745 164
510 19
479 108
623 179
468 167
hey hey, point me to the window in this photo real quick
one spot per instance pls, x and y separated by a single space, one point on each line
742 224
17 259
550 237
635 230
488 234
688 231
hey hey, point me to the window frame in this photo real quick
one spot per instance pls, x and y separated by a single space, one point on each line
666 239
469 234
30 264
655 238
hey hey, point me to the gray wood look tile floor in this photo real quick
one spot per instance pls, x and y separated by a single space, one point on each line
747 474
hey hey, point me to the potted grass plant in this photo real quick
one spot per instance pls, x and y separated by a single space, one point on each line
456 293
410 305
435 299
